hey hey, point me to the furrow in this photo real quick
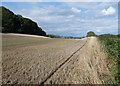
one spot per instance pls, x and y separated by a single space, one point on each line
53 72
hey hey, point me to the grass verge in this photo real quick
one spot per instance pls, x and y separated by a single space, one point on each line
111 46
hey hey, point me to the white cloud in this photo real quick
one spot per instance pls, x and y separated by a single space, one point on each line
98 30
70 16
75 10
61 21
109 11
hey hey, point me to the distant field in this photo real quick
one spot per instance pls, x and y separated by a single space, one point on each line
17 39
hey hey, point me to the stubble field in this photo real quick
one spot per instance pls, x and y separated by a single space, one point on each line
38 60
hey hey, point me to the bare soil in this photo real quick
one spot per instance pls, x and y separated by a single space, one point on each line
39 60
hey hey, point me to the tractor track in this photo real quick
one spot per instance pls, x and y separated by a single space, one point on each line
42 83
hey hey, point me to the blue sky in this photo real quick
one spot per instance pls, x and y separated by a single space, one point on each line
70 18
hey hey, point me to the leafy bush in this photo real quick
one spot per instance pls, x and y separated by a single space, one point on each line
89 34
112 47
53 36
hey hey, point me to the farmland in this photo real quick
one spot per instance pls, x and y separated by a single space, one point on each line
58 43
39 60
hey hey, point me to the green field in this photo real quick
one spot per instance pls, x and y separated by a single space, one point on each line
110 44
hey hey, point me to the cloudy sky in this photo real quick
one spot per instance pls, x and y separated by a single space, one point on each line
70 18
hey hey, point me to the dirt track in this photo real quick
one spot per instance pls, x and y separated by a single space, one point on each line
33 60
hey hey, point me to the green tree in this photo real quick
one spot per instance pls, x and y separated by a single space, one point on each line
12 23
89 34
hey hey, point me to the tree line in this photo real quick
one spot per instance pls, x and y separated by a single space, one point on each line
12 23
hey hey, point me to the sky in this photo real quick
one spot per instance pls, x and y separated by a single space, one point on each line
70 18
